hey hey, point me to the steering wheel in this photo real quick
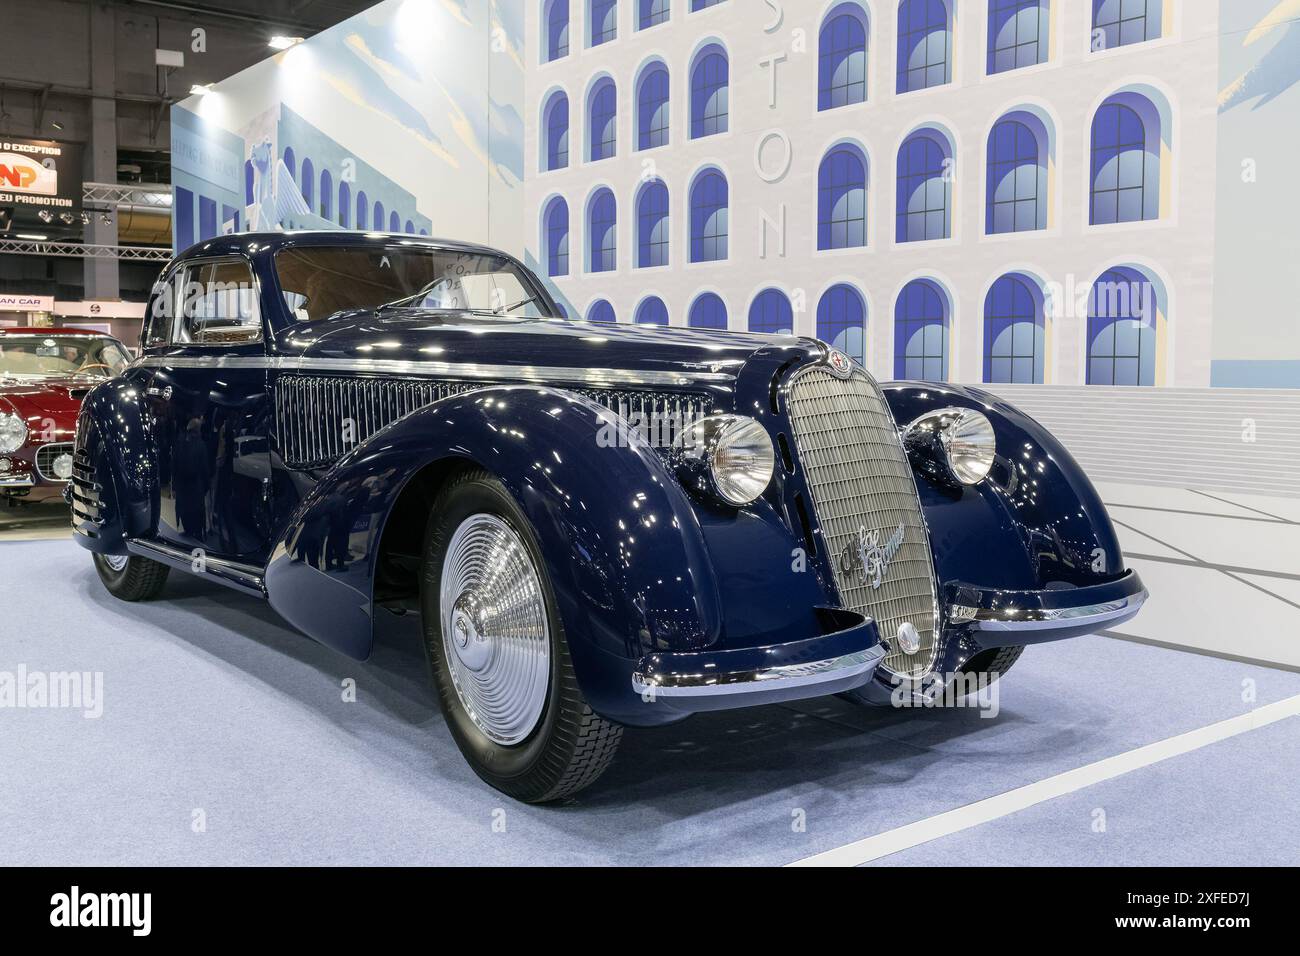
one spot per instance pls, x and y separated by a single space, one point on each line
95 365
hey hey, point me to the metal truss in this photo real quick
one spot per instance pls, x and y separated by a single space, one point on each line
112 195
77 250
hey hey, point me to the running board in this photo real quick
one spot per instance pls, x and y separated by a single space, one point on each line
242 577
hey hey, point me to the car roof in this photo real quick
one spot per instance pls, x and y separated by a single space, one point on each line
61 330
251 243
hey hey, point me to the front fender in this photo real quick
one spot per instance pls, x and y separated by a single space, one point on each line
1035 523
623 546
114 433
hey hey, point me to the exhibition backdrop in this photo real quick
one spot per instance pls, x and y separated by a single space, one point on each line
933 185
399 119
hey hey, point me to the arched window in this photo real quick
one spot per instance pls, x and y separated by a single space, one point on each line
651 13
248 183
562 309
409 228
842 58
379 216
601 311
709 92
394 222
602 113
557 29
842 199
771 313
1018 33
555 227
1125 161
924 191
363 210
345 204
708 311
1013 332
842 321
1122 315
652 311
1017 179
709 231
603 25
703 4
289 162
652 107
652 225
924 44
556 124
1117 23
326 194
308 183
602 222
921 332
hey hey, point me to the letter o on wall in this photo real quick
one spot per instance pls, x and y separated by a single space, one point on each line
760 148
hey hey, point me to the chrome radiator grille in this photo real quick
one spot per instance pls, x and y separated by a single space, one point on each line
321 418
863 492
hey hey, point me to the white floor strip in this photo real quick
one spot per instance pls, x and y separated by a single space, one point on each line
983 811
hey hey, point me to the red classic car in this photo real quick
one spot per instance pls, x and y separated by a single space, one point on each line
44 375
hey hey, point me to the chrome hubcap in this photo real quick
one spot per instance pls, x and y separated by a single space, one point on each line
495 636
116 562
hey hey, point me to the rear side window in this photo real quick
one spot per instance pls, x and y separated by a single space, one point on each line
218 305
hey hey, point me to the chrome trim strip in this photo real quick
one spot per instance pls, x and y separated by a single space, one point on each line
764 679
243 576
1046 619
17 483
465 370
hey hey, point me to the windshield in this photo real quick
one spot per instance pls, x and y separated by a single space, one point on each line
39 355
320 281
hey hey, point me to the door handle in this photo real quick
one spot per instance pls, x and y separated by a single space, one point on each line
164 393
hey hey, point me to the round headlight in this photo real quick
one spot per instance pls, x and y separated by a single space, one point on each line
730 456
953 443
13 432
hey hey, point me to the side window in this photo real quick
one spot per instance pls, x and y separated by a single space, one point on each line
162 309
218 305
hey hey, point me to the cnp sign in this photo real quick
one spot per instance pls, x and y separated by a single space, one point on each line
24 174
40 181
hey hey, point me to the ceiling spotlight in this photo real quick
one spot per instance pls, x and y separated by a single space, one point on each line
45 215
56 124
283 43
105 219
66 217
85 219
200 89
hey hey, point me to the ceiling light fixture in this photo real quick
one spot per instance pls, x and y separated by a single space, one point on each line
283 42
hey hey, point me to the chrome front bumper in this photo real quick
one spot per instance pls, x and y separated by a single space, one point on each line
746 677
1001 618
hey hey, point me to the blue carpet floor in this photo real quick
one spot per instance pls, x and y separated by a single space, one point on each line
215 711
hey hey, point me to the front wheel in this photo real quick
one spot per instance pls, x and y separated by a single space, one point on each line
131 578
498 652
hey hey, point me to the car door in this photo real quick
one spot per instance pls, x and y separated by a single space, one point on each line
210 405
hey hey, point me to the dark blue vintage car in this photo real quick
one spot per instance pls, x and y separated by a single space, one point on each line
601 525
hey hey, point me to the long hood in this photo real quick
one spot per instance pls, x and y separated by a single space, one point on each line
552 350
57 397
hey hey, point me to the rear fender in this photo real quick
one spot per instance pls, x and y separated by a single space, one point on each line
113 431
624 549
